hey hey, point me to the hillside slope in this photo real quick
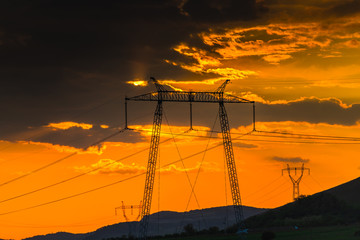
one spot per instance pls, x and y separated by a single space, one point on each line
165 222
347 192
338 205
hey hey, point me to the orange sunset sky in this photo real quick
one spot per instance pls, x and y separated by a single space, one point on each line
66 69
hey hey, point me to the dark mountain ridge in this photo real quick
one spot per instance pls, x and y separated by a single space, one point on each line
161 223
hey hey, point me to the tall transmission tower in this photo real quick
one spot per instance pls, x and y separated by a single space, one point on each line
295 181
163 95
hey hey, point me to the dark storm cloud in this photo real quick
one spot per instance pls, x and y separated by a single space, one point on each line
290 159
69 61
345 8
61 58
308 11
83 138
310 110
222 10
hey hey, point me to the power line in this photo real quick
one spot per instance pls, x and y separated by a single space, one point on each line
82 174
60 159
264 187
38 169
71 196
178 152
303 142
73 117
312 135
306 138
323 140
195 182
111 184
272 195
77 176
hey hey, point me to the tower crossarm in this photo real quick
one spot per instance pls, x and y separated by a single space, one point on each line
185 96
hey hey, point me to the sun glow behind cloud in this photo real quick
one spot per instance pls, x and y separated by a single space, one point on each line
67 125
138 83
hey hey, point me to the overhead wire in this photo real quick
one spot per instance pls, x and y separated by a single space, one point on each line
273 194
308 138
272 189
300 142
324 141
307 186
316 181
321 137
311 135
263 188
301 136
111 184
77 176
197 176
60 159
73 117
66 157
178 152
37 152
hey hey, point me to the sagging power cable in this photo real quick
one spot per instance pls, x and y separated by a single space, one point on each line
113 183
77 176
60 159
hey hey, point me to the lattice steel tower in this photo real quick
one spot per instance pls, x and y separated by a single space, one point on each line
162 95
295 182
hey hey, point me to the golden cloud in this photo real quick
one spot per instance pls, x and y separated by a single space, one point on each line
273 42
279 41
201 56
109 166
205 82
231 73
226 73
204 166
67 125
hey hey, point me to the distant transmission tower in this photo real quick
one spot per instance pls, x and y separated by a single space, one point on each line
295 182
162 95
132 207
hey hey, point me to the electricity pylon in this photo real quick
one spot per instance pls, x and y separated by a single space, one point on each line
295 182
163 95
124 207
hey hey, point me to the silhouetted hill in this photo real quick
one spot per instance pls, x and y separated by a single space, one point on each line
161 223
59 236
338 205
347 192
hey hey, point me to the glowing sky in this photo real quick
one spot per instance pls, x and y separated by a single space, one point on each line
66 69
